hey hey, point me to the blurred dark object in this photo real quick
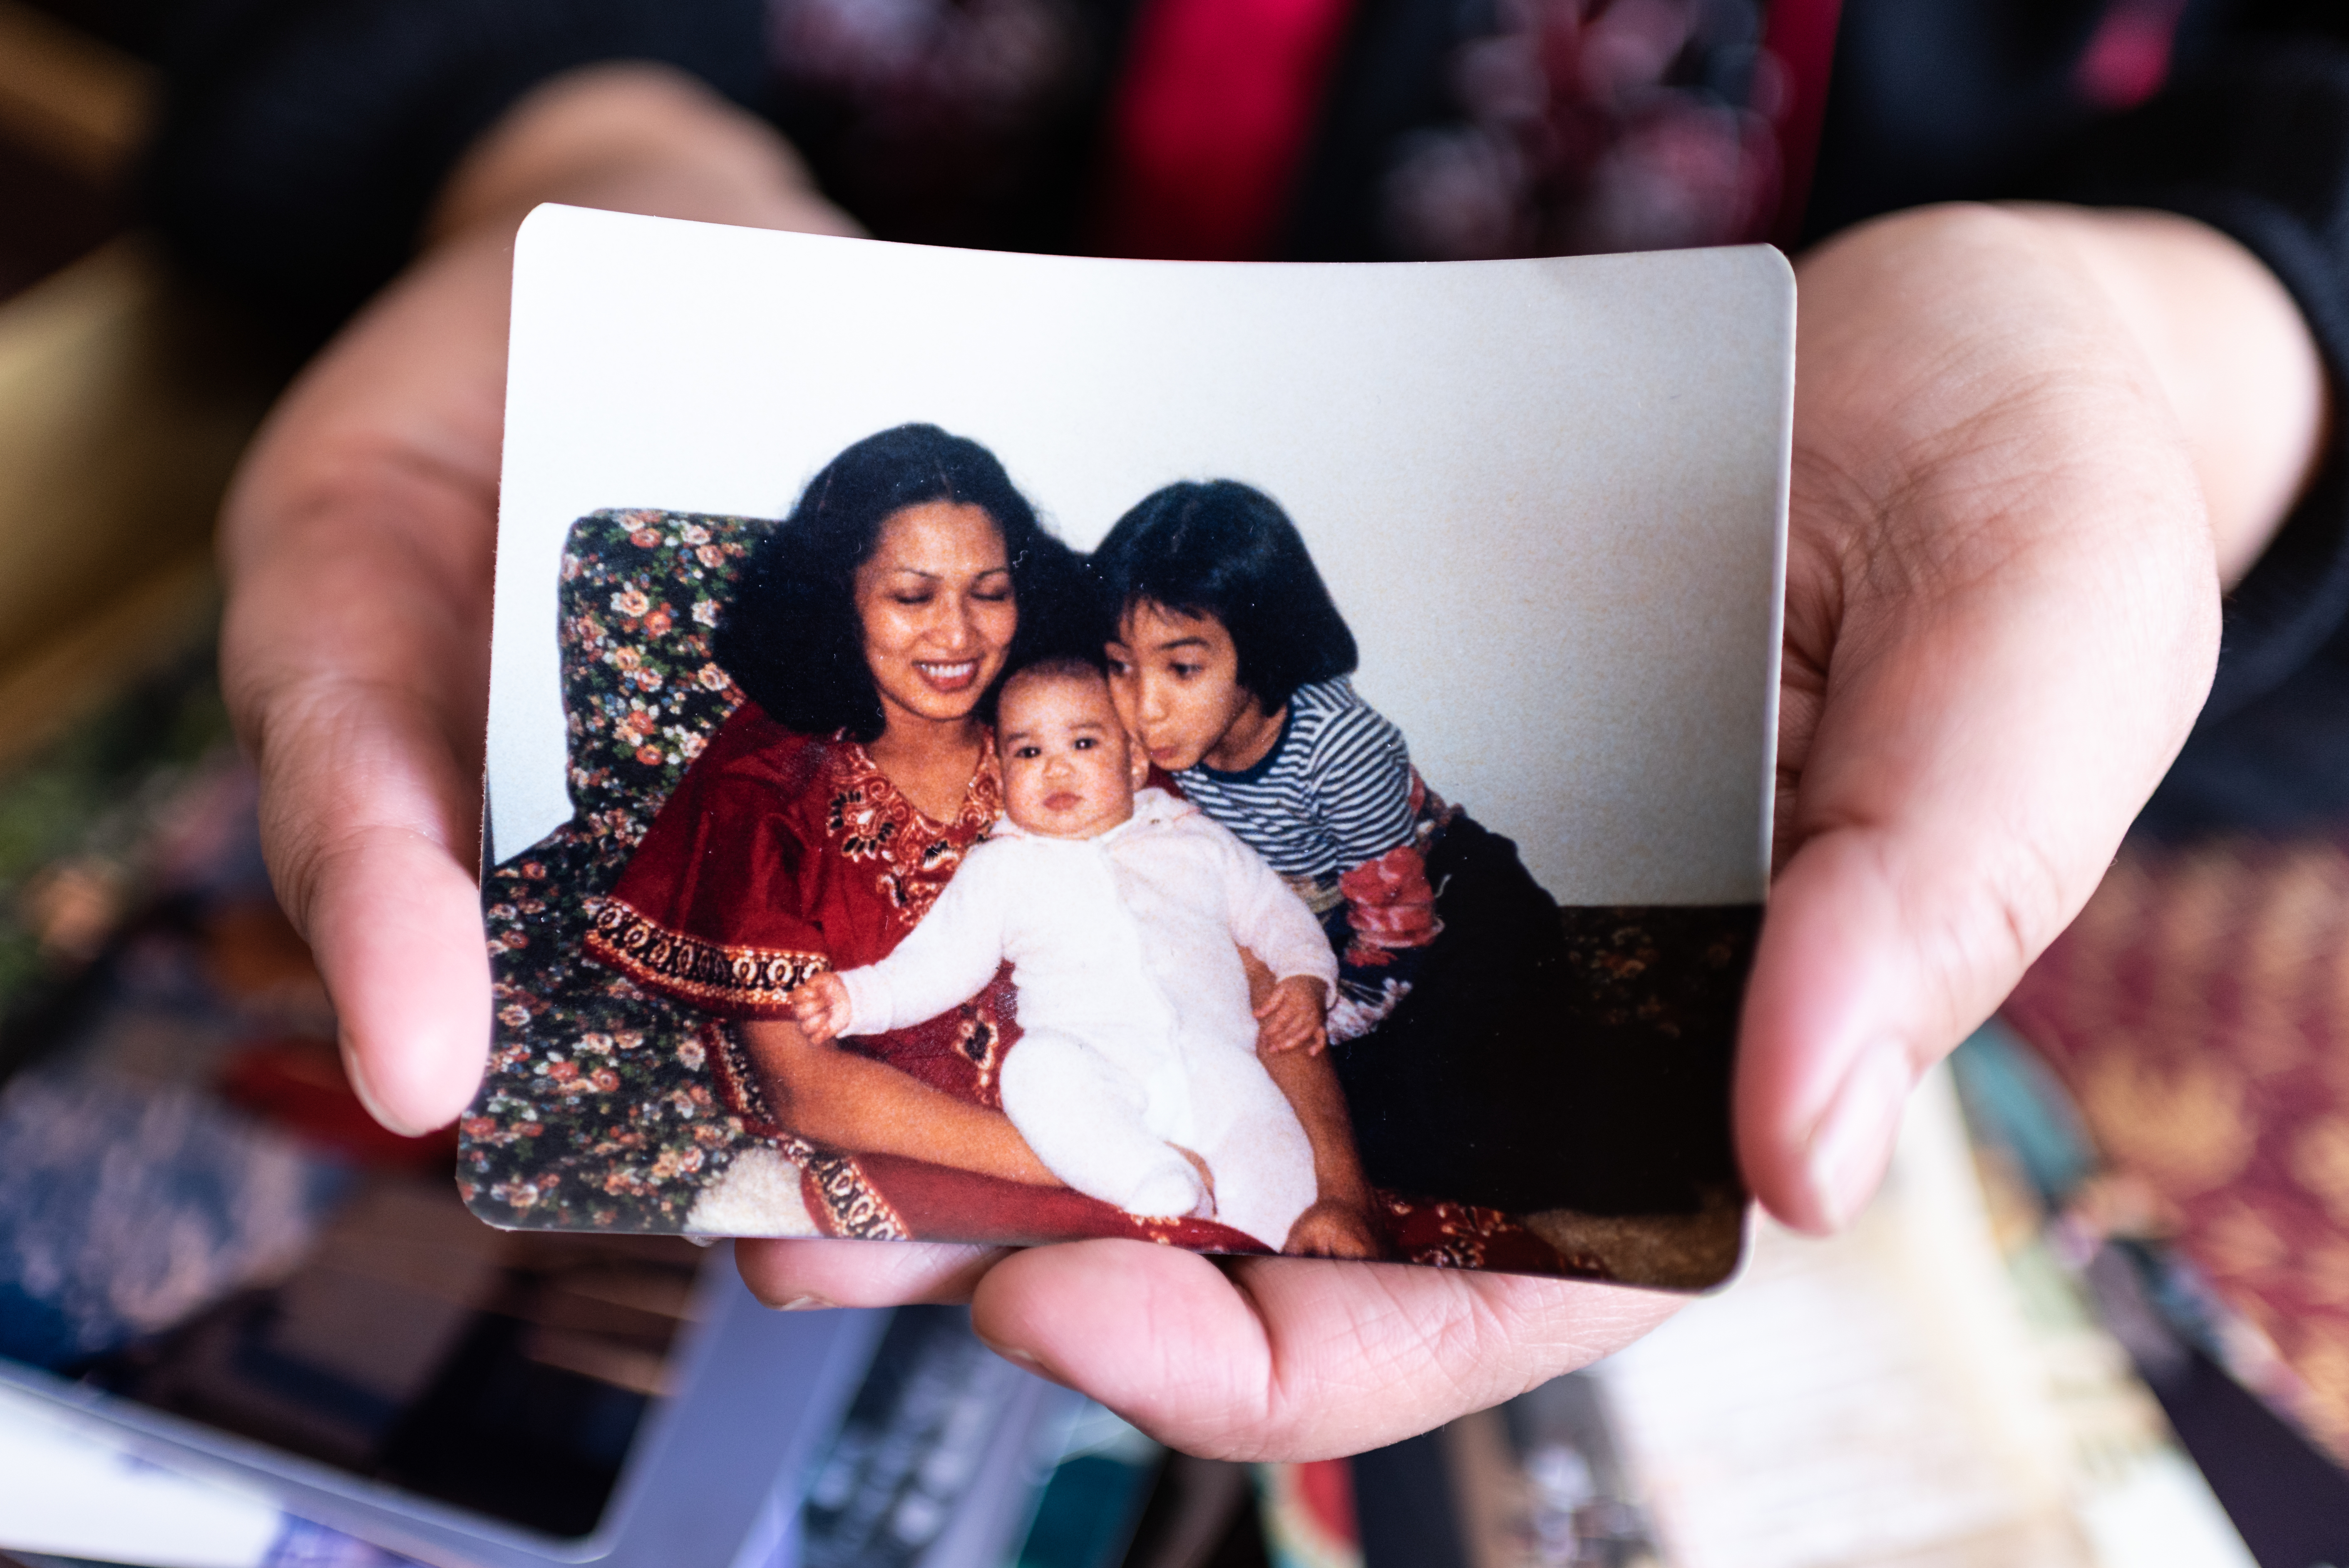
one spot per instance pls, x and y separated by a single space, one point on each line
125 396
75 108
1196 1511
299 1085
197 1213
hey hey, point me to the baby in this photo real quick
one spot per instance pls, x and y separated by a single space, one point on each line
1122 909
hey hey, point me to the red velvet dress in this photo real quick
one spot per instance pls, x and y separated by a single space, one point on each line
781 856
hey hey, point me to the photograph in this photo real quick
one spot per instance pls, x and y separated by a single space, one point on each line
1020 748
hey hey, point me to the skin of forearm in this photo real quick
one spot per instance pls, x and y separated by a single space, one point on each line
2230 349
866 1107
1310 1084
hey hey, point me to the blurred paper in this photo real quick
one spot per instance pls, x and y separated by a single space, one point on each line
1890 1392
70 1494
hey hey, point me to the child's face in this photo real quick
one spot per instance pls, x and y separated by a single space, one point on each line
1068 770
1175 679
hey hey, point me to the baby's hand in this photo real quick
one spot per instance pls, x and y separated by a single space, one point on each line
821 1006
1290 1017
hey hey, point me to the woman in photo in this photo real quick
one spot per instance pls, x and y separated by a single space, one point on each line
821 820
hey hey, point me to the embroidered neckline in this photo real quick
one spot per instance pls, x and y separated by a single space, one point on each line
982 798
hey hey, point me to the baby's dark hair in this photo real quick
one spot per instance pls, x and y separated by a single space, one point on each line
1061 666
1058 667
1227 550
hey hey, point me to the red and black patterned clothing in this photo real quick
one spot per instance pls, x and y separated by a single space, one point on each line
781 855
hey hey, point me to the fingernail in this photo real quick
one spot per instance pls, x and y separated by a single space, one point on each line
1027 1361
806 1303
1852 1143
367 1101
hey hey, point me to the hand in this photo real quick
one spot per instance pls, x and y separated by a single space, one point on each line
356 544
821 1006
2001 616
1333 1229
2001 608
1290 1017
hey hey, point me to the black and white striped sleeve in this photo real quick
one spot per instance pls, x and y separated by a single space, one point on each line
1361 770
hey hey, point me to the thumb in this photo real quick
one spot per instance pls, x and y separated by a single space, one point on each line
1968 781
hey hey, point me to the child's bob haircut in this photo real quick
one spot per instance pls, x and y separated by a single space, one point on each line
1227 550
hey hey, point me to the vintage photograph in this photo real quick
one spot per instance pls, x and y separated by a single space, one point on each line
1015 748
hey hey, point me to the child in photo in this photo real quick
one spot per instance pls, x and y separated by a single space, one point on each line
1135 1078
1228 660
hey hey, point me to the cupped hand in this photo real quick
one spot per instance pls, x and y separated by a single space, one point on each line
1286 1358
2002 604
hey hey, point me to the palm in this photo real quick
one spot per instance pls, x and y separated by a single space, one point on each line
2001 619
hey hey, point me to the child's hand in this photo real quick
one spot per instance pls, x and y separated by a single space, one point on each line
1291 1016
821 1007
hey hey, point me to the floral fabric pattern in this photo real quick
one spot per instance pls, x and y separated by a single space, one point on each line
600 1109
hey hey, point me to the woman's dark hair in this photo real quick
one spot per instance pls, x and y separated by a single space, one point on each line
791 638
1227 550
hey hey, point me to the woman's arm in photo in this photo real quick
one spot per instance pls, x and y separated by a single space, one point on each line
842 1101
1340 1224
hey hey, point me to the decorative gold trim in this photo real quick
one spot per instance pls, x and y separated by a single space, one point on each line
843 1198
688 967
852 1207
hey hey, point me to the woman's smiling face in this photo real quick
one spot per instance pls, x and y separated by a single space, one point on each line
936 602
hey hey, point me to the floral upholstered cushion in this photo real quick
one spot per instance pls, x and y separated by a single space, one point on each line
598 1111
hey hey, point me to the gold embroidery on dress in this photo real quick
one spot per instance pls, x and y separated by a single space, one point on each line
649 952
870 820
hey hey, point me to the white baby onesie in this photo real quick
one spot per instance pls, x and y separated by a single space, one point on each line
1136 1036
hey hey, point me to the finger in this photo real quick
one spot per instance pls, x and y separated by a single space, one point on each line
799 1273
369 814
1951 852
356 542
1292 1358
2001 616
2021 648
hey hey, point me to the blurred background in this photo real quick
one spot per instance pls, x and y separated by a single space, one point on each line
2013 1359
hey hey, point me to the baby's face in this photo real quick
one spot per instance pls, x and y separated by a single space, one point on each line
1068 770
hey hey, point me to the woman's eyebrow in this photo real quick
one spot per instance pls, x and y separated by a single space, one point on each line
1174 642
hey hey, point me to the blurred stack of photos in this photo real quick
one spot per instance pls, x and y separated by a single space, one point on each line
201 1231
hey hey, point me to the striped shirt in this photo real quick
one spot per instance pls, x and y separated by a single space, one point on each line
1333 792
